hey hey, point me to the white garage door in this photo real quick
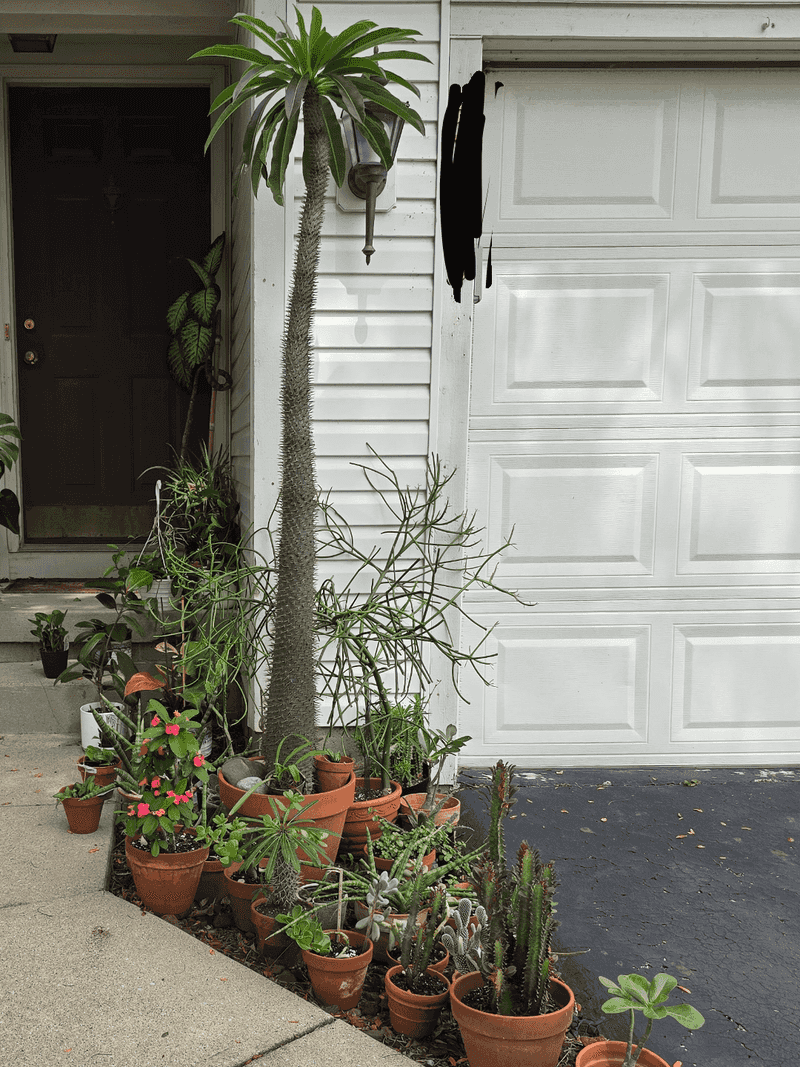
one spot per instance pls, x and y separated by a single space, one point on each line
635 411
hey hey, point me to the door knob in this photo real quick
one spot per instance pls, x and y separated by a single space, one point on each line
31 358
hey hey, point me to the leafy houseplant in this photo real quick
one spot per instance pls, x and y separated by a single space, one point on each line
308 71
192 321
51 635
634 993
9 454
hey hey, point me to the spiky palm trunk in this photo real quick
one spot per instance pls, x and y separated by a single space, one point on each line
292 696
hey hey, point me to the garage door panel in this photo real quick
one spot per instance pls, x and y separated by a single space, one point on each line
562 684
751 149
570 514
577 151
736 682
740 512
744 335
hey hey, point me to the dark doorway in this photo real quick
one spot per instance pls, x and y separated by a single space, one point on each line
110 191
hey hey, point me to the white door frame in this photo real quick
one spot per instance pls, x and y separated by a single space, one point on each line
86 561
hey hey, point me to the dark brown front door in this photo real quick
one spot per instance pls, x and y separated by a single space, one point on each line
110 193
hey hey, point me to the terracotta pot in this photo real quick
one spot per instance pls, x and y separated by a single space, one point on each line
413 1014
339 982
331 774
511 1040
166 883
450 811
241 896
362 815
394 919
103 775
327 811
272 941
212 883
83 815
612 1053
386 865
439 965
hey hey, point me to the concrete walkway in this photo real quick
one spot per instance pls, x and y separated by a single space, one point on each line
88 980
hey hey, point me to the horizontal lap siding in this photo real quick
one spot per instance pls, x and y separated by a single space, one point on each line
373 325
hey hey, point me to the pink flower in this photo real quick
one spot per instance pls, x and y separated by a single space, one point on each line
198 761
156 782
156 721
142 810
160 811
170 792
178 800
173 729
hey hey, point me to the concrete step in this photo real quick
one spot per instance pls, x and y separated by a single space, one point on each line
32 704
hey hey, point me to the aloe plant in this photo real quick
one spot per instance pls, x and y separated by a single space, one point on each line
306 72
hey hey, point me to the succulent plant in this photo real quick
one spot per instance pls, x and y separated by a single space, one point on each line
464 943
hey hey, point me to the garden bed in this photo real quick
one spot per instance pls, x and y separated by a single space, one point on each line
212 923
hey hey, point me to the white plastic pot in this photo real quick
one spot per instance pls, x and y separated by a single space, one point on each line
90 732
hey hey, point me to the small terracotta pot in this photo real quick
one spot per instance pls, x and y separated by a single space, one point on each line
241 896
362 815
166 883
450 812
413 1014
511 1040
83 814
103 775
272 941
612 1053
212 883
339 982
331 774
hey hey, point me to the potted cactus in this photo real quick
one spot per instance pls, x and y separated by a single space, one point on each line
512 1010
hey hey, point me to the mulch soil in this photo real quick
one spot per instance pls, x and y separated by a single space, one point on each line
212 923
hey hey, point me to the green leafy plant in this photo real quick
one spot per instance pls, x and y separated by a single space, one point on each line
308 71
634 993
305 929
378 902
99 757
434 747
169 766
193 322
50 630
9 454
82 790
280 839
416 843
520 909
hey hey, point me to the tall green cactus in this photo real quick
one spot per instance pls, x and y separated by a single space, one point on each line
516 937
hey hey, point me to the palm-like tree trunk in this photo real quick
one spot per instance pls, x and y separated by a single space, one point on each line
292 696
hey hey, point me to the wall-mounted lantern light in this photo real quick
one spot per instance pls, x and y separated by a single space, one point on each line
32 42
366 175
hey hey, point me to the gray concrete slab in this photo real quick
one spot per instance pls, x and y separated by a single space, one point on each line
333 1047
94 980
31 703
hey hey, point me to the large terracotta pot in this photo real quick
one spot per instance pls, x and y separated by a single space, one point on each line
612 1053
241 896
362 815
339 982
166 883
511 1040
83 813
413 1014
327 811
450 812
331 774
